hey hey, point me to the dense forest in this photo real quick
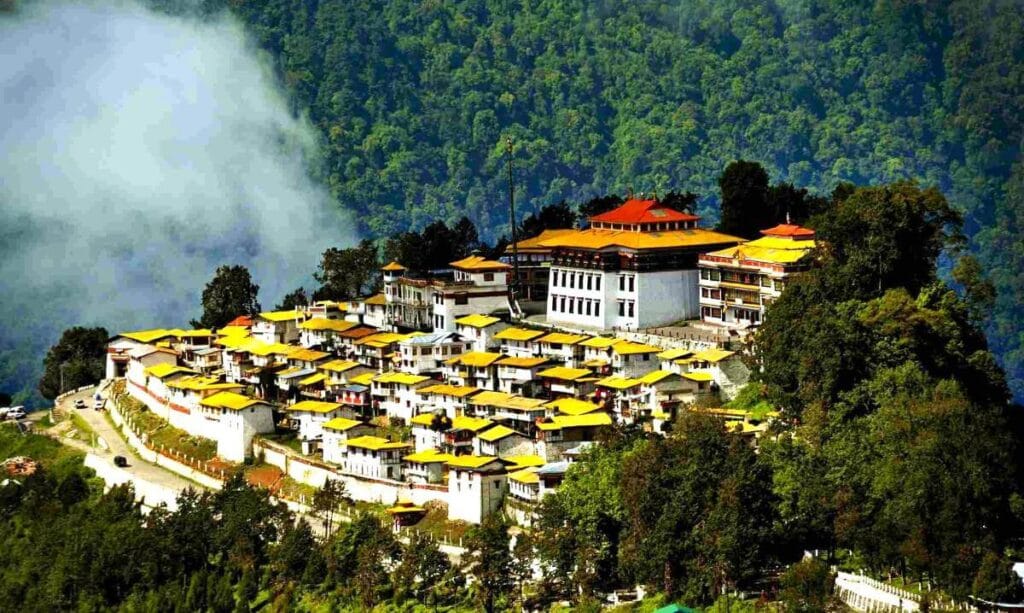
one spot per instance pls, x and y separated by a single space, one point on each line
414 101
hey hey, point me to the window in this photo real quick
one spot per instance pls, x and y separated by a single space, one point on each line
632 283
579 305
705 273
554 302
629 309
597 308
571 303
590 284
622 283
563 278
588 308
572 280
462 298
563 304
488 276
597 282
622 308
766 281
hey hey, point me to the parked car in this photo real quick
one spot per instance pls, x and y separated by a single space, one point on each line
98 405
121 461
16 413
80 403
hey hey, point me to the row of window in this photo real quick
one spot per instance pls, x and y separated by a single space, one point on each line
710 274
573 280
576 306
627 308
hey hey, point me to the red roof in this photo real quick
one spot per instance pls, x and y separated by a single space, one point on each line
642 211
242 321
790 230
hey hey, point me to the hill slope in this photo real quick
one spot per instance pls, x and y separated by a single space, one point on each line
414 99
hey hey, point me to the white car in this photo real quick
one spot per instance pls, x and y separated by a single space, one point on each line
17 412
98 405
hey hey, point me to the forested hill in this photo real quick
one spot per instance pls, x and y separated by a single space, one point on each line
414 99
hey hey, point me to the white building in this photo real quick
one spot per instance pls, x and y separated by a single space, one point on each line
520 375
278 326
476 485
395 393
474 369
564 381
426 466
311 415
373 456
518 342
634 359
502 441
561 347
336 434
634 267
446 398
233 420
120 347
321 332
427 353
738 284
480 330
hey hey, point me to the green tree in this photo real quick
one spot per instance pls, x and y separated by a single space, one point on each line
294 299
348 273
229 294
77 359
806 586
996 580
327 500
552 216
490 561
744 192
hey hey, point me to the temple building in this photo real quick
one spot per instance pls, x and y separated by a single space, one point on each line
634 267
737 284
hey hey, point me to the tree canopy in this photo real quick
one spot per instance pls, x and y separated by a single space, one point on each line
229 294
78 359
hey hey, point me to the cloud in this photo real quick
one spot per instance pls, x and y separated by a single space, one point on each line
138 152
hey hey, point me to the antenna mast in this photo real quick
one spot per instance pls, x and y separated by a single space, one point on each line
514 286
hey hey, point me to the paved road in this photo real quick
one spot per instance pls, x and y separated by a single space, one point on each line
116 445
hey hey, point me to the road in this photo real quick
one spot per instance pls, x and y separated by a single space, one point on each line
116 445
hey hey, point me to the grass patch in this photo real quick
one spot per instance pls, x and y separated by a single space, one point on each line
160 432
42 449
288 438
436 523
750 399
85 432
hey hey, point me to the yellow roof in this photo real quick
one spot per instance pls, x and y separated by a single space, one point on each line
308 355
619 383
496 433
162 371
744 427
503 400
600 342
364 379
631 348
321 323
310 380
202 384
405 508
478 263
476 424
478 359
385 339
477 321
593 238
338 365
393 266
674 354
233 331
193 333
229 400
314 406
656 376
428 456
561 338
423 419
518 334
341 424
565 373
277 316
235 341
770 249
534 243
400 378
444 389
573 406
698 376
378 299
525 460
596 363
471 461
576 421
374 443
148 336
526 475
713 355
522 362
264 349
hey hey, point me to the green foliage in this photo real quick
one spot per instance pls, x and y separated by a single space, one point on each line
293 299
552 216
996 581
77 359
348 273
490 561
229 294
806 586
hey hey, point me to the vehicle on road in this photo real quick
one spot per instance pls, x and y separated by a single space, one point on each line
98 405
17 412
120 461
80 403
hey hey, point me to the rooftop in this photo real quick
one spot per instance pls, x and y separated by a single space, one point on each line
341 424
596 238
229 400
321 323
496 434
314 406
476 263
471 461
279 316
477 321
374 443
561 338
476 359
637 211
565 373
518 334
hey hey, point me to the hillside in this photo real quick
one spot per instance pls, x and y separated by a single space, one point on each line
413 100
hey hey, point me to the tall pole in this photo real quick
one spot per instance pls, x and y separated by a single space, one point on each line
514 286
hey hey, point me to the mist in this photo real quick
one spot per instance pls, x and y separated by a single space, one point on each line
139 151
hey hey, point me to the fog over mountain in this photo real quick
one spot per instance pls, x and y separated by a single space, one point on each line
139 152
